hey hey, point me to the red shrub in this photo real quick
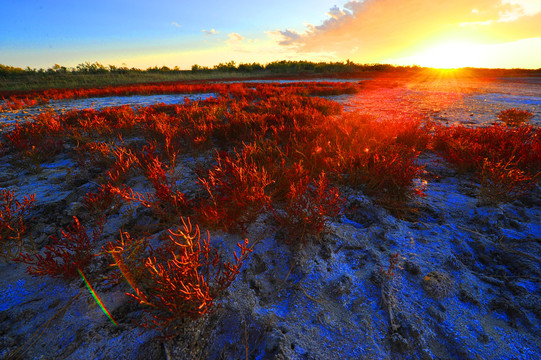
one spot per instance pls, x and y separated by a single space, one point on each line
384 171
309 204
35 141
503 182
120 117
178 281
68 253
107 198
468 148
236 192
125 158
12 226
167 201
515 117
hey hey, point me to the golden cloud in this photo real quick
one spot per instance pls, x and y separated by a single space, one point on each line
377 29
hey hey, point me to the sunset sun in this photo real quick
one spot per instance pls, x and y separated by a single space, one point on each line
450 55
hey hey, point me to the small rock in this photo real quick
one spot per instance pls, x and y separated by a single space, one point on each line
399 343
412 267
484 338
467 297
274 341
436 314
326 252
342 286
437 284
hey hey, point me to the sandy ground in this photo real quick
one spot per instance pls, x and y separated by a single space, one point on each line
467 283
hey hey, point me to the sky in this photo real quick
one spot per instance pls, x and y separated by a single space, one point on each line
450 33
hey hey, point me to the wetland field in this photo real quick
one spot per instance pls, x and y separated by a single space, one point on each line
367 218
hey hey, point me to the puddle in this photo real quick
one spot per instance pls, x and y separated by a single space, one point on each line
11 117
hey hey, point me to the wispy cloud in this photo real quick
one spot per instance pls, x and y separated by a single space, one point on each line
210 32
234 39
382 28
175 24
286 37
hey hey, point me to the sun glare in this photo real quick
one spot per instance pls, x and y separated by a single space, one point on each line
450 55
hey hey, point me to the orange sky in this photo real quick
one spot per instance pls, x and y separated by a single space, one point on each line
481 33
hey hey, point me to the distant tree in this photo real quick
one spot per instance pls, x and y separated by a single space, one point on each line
196 68
6 70
95 68
227 67
250 67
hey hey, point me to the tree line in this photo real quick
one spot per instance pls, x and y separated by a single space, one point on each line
275 67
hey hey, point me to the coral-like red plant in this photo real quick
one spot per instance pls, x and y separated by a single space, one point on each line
178 281
468 147
167 201
515 117
309 205
384 171
503 157
107 198
503 182
31 98
36 141
125 158
71 251
12 226
236 192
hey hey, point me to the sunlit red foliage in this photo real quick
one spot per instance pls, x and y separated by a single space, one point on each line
279 150
124 160
467 148
73 250
168 202
268 137
108 198
12 222
236 192
37 140
506 159
181 279
515 117
376 156
504 182
309 204
18 100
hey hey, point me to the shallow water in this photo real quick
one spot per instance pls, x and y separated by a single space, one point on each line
10 117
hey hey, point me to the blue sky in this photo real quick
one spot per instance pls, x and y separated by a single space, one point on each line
42 33
491 33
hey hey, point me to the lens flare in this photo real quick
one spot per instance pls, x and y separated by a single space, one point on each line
96 297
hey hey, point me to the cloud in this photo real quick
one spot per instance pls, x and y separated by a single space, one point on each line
336 13
175 24
287 37
234 38
210 32
525 7
384 28
239 43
